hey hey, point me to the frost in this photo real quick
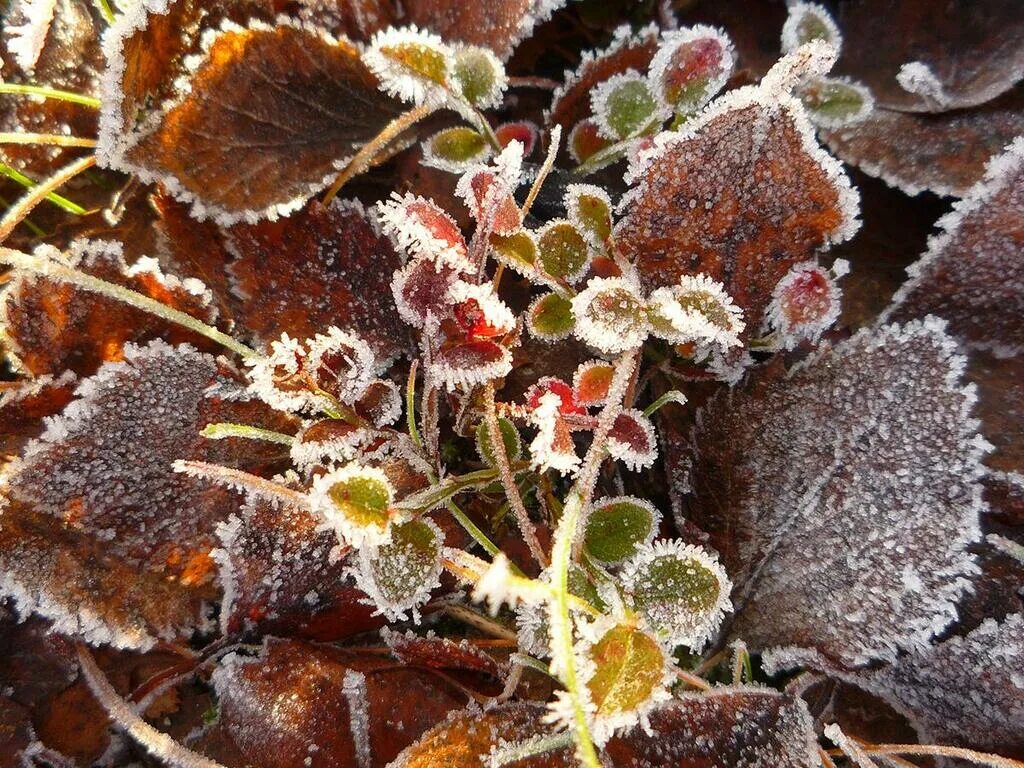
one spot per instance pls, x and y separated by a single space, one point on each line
495 318
624 106
552 448
479 76
917 78
455 150
819 489
25 41
563 250
93 535
972 274
696 310
353 687
807 22
618 526
421 228
681 590
631 440
849 747
420 290
591 381
806 302
355 500
610 315
470 363
411 64
691 66
439 652
589 209
342 364
275 379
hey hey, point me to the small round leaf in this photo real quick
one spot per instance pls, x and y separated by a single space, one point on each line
550 317
617 527
624 106
563 250
400 574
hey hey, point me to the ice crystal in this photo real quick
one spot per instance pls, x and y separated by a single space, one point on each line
411 64
624 106
421 228
354 500
610 315
696 310
884 477
25 41
805 303
552 448
807 22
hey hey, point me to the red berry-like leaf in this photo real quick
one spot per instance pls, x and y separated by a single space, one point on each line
101 535
742 194
585 140
54 326
525 132
467 363
279 577
317 268
271 117
421 288
819 457
973 274
632 440
591 382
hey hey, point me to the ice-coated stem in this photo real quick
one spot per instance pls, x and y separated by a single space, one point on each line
38 193
50 93
51 139
225 429
55 271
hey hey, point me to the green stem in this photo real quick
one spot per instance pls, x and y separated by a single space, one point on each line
50 93
58 200
472 529
530 748
672 396
55 271
106 11
410 406
225 429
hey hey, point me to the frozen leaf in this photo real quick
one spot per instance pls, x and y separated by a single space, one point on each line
341 364
807 22
834 102
279 577
455 149
591 382
616 527
567 403
272 115
972 273
681 591
355 501
411 65
945 153
498 26
742 193
478 312
563 250
24 405
805 303
420 290
518 251
589 209
100 534
439 652
471 362
553 447
691 66
278 379
696 310
624 106
610 315
479 76
628 677
963 57
298 705
400 573
53 326
509 437
631 440
523 131
487 191
570 104
423 229
585 140
381 403
843 497
317 268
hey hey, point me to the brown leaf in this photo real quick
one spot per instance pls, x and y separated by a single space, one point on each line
972 49
1000 383
100 534
944 153
279 577
972 274
54 326
498 26
317 268
24 405
273 114
308 706
843 497
742 194
439 652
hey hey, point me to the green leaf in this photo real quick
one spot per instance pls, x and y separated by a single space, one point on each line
435 495
550 317
563 250
458 145
624 106
617 527
630 667
478 75
518 250
835 102
399 575
509 436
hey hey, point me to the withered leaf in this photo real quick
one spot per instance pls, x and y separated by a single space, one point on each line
279 577
972 273
272 115
971 50
944 153
99 534
498 26
305 706
54 326
24 405
439 652
742 194
314 269
843 498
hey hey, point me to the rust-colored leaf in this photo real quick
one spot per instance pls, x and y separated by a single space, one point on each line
317 268
273 114
742 195
24 405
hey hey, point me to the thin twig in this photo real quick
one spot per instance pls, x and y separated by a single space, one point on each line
50 139
38 193
50 93
545 169
937 750
692 680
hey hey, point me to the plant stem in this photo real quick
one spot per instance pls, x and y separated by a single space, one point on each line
471 528
226 429
106 11
410 405
61 202
55 271
51 139
549 162
240 480
38 193
508 480
50 93
981 758
672 396
530 748
364 156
